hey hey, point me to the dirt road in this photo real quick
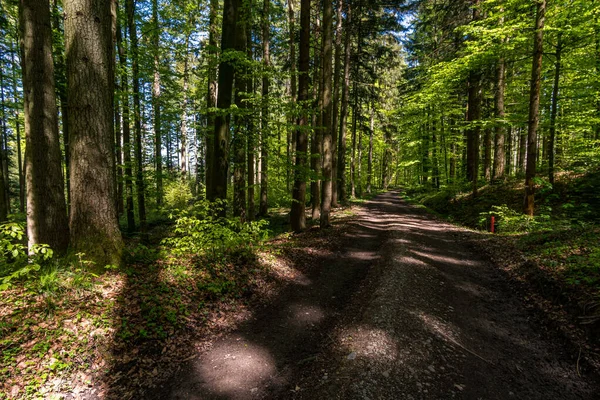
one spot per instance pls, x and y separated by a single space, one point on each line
402 309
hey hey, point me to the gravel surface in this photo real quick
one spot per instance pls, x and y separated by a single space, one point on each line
401 308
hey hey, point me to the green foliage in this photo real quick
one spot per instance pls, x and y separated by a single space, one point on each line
511 221
15 262
202 232
178 195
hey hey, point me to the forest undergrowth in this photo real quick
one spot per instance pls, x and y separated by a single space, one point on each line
553 258
67 331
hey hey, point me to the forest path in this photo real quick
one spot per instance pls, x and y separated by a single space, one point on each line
405 309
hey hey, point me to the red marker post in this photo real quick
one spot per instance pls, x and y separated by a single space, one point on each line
493 222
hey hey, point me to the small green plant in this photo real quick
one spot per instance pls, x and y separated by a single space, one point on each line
15 260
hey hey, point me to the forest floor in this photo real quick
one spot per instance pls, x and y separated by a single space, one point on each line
390 303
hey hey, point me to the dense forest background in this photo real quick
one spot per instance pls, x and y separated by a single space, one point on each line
345 98
189 131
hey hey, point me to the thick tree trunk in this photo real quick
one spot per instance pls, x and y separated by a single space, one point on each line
298 214
90 62
341 171
137 118
47 221
211 96
220 158
534 106
127 170
264 148
328 147
156 104
554 108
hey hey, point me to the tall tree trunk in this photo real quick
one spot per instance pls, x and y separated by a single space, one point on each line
156 105
250 134
370 152
509 151
554 108
184 105
239 140
341 171
118 171
336 103
534 107
61 86
298 214
435 171
211 96
4 145
499 138
264 148
46 207
597 57
18 129
317 136
127 170
487 154
328 147
137 118
291 136
220 158
474 114
90 72
522 137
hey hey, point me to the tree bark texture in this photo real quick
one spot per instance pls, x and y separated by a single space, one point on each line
90 59
500 129
326 192
47 221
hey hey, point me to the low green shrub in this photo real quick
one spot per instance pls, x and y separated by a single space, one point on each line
15 261
202 232
511 221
